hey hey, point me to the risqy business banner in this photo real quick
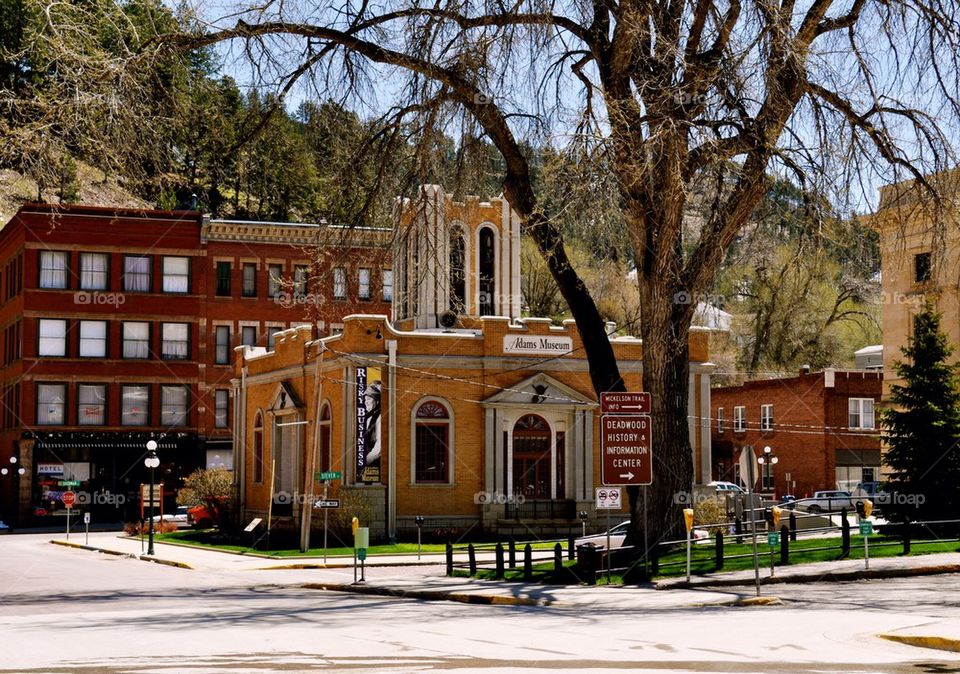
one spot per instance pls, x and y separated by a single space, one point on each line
369 437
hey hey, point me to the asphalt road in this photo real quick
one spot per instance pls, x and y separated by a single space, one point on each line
66 610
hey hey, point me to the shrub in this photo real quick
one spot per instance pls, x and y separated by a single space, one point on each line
212 488
353 503
709 514
161 527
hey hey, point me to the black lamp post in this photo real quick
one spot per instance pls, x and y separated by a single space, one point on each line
151 462
419 521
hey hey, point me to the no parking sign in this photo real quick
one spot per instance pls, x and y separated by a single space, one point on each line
608 498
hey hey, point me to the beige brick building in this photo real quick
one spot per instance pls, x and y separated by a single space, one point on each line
459 411
920 258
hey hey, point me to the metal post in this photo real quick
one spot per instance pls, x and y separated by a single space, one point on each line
527 563
793 526
326 520
472 559
68 525
607 551
718 551
866 552
449 551
419 543
784 545
499 560
646 540
150 537
751 472
689 543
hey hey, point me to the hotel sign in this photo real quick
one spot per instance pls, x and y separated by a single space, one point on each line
537 345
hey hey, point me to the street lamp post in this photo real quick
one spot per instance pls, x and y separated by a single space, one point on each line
768 457
151 462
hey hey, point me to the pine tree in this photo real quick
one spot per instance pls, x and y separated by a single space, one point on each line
922 427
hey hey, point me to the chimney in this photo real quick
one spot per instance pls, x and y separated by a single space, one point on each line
804 369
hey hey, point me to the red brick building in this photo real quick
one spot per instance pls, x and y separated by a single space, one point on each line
822 426
119 326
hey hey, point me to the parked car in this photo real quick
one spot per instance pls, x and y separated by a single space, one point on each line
828 501
199 516
727 487
179 516
618 535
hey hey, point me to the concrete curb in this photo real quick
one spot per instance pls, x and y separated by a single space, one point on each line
143 558
827 577
937 643
434 595
257 555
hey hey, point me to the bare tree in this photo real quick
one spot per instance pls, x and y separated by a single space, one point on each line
670 98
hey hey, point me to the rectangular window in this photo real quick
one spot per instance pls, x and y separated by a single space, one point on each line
271 332
300 277
363 284
176 274
51 404
739 419
223 279
249 280
93 271
387 285
136 340
766 417
221 408
93 339
91 404
53 269
223 344
175 341
431 452
339 283
248 335
136 273
134 405
861 413
921 268
767 482
53 337
274 279
173 405
720 420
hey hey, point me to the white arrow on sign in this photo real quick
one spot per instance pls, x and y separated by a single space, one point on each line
628 476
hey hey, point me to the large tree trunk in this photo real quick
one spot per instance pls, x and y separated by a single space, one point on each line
666 376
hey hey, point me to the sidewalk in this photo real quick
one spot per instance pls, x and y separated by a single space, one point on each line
843 570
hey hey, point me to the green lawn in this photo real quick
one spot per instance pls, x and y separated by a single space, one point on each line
702 558
202 539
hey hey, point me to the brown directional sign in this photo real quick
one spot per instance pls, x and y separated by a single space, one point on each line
625 444
628 402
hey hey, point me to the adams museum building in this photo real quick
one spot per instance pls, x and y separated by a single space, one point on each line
458 410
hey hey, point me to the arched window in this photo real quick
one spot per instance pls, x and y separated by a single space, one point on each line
325 420
487 271
458 277
531 456
258 448
432 443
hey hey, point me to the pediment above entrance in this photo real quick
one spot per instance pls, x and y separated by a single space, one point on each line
540 389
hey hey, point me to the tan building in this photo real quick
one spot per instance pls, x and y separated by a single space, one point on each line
920 258
468 420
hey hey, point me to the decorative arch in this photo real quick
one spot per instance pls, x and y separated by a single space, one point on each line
326 421
532 457
487 263
432 434
258 447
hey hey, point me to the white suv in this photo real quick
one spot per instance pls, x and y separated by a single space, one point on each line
828 501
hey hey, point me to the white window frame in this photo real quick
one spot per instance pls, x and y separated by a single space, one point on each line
766 417
175 281
174 413
364 276
126 410
94 279
54 270
720 420
171 344
243 331
856 406
131 273
217 346
739 419
339 283
56 409
221 408
301 280
52 337
387 284
245 267
124 340
88 340
274 280
82 418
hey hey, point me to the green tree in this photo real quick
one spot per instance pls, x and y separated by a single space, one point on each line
212 488
922 428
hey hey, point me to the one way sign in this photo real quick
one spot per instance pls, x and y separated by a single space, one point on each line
625 442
